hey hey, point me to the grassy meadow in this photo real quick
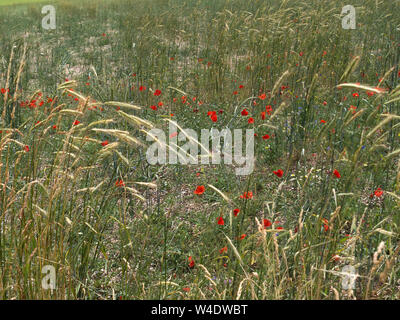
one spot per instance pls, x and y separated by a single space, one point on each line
77 192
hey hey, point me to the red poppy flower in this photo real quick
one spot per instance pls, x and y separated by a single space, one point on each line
279 173
224 249
267 223
241 86
153 108
244 112
325 103
157 92
199 190
370 93
54 127
355 95
191 262
247 195
119 183
266 137
221 221
242 236
236 212
104 143
251 120
142 88
262 96
186 289
378 192
336 173
76 122
235 93
3 91
263 115
325 224
214 118
323 121
26 148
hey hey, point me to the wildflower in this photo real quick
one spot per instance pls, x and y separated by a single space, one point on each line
199 190
267 223
173 134
104 143
279 173
242 236
119 183
221 221
186 289
266 137
378 192
263 115
157 92
26 148
241 86
323 121
247 195
325 224
244 112
262 96
142 88
336 173
355 95
76 122
224 249
251 120
191 262
153 107
236 212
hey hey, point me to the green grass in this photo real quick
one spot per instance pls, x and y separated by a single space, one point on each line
61 202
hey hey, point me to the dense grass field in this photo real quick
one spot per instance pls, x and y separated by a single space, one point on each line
78 194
